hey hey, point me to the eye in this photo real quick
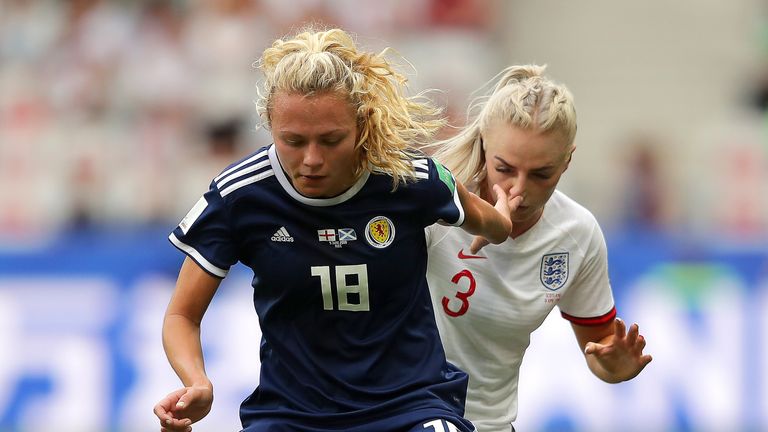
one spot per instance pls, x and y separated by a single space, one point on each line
503 169
543 176
333 139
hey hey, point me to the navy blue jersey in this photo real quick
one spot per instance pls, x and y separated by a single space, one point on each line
349 336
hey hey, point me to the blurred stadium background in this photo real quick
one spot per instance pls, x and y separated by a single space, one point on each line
115 115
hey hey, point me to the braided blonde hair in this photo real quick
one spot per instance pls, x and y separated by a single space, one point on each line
390 124
522 97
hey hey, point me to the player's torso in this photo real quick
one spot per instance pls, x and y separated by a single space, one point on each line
487 304
340 291
328 261
504 292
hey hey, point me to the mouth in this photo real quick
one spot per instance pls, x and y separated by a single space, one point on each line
311 177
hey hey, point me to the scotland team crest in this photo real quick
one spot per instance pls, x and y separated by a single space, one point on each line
554 270
380 232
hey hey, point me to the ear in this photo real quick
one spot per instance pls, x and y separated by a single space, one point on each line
570 157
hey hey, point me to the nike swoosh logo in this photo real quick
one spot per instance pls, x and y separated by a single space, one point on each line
462 255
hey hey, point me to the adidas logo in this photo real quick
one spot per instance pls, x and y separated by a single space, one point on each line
282 235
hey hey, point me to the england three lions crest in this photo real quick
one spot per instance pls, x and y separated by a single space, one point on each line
554 270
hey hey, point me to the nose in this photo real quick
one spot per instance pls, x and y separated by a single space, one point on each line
313 155
519 186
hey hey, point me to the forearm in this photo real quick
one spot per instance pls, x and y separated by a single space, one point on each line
483 219
181 341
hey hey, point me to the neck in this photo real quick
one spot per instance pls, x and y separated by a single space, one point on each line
520 228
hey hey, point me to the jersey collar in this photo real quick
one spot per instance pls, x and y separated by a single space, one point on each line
315 202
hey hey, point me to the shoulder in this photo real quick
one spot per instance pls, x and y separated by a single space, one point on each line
562 209
426 168
569 218
420 167
248 170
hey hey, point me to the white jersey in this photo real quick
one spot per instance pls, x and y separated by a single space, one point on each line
487 304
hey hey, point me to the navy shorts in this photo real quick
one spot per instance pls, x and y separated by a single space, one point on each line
436 425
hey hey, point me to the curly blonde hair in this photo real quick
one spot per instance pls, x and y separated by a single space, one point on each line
391 125
522 97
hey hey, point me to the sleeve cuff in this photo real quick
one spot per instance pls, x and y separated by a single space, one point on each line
592 321
199 259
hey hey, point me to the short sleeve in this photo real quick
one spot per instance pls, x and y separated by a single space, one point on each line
204 234
445 196
589 300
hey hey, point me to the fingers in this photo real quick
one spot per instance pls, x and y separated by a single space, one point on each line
165 411
632 338
502 204
183 402
632 334
171 424
634 341
186 429
500 193
478 243
515 202
161 411
590 348
594 348
176 425
620 329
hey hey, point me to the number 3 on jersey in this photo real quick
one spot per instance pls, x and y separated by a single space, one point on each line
462 296
351 281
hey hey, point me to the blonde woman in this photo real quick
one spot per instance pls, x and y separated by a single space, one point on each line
330 218
488 302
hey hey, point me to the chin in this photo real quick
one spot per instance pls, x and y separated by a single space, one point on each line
313 194
521 216
308 192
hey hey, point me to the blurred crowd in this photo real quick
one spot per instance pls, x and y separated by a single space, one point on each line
120 112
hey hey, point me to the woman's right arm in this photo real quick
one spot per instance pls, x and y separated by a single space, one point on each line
181 339
491 224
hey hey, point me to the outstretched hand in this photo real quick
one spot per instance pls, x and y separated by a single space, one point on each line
621 357
505 204
180 408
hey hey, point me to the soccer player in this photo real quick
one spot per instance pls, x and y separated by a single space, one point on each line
330 218
488 302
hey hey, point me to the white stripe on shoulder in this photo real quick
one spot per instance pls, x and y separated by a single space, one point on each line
241 164
421 175
220 272
246 181
242 172
421 164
